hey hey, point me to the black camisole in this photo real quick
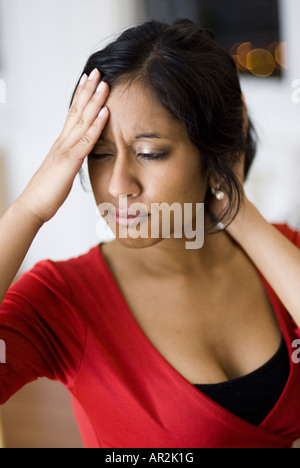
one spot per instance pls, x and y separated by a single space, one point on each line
253 396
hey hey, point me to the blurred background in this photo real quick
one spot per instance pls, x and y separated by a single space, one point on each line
44 45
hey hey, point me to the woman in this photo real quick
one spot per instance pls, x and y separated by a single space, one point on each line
159 345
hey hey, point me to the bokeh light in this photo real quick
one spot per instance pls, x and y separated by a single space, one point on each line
261 62
242 52
281 54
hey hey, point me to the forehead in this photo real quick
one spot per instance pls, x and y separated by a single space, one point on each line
135 110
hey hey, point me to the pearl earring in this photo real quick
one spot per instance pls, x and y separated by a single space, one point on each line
219 194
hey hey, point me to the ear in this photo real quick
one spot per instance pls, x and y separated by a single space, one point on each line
212 181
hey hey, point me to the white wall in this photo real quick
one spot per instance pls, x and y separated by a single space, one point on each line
44 46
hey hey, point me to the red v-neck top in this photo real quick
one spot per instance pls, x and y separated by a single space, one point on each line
69 321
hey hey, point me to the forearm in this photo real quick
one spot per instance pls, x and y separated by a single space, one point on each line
18 228
275 256
51 184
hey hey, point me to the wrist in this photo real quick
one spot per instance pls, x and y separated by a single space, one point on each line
20 209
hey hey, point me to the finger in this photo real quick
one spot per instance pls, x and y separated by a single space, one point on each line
91 111
83 94
81 83
89 139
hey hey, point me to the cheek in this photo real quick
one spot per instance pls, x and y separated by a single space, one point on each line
184 182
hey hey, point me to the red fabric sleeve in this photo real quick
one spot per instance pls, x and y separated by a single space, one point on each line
41 331
294 236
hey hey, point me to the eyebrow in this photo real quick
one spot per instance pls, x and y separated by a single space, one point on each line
143 135
151 135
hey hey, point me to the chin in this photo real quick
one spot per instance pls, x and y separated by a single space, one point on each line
138 236
139 243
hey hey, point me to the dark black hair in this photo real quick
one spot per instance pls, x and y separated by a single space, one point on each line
196 80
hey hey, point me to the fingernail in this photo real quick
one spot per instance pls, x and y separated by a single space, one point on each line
93 74
83 80
103 112
100 87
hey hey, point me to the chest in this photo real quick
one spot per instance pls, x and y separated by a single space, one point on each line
209 329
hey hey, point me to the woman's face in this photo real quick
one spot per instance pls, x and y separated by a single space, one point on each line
144 156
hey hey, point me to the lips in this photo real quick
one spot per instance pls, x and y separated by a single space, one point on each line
124 218
124 214
130 220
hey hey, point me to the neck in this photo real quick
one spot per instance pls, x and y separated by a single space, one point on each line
169 257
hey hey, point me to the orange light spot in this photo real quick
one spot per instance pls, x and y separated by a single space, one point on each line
260 62
281 54
242 52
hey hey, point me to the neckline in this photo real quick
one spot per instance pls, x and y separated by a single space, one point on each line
181 380
246 377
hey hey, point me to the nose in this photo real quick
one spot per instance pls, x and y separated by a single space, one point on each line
123 181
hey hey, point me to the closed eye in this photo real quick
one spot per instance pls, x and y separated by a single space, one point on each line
146 156
152 156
